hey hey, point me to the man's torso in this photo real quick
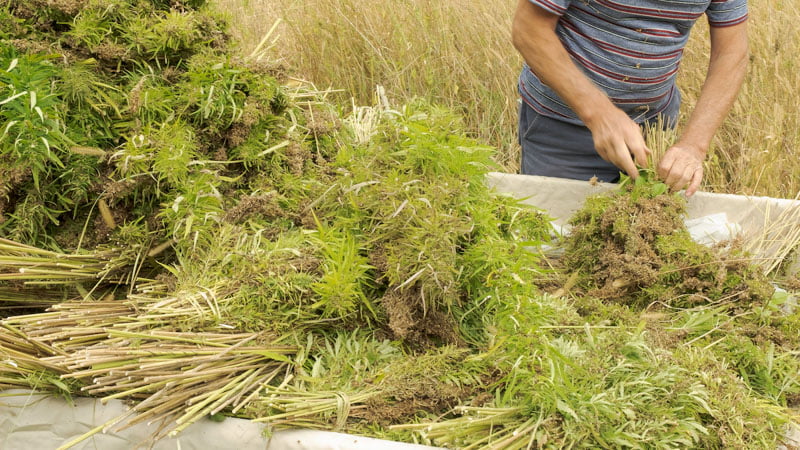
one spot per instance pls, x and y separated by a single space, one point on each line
629 48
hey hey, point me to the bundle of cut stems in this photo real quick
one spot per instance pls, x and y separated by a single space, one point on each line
20 359
482 428
202 302
73 325
178 376
31 265
293 407
11 298
779 238
131 350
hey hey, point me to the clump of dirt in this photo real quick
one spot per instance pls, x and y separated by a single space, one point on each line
111 52
238 134
169 280
322 121
37 8
409 320
265 205
30 45
68 7
417 385
102 229
632 246
296 157
378 259
220 154
10 178
421 397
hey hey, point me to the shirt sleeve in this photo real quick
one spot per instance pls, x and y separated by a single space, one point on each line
726 13
558 7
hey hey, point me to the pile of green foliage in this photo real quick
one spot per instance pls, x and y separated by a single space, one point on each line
633 246
349 272
663 361
100 92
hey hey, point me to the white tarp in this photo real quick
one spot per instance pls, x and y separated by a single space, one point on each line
31 421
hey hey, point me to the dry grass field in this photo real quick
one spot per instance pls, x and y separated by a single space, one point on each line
458 53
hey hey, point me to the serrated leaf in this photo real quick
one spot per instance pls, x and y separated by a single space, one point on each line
659 188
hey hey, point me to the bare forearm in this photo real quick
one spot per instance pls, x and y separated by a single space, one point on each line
726 72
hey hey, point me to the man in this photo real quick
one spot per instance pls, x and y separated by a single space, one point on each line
598 69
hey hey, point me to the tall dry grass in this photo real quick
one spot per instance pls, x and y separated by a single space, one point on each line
458 53
454 52
757 150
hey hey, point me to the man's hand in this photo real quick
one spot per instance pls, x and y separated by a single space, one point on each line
682 166
619 140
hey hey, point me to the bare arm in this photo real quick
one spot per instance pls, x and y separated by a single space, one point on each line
682 164
616 137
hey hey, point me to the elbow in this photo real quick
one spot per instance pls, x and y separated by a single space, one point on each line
745 62
517 36
730 48
733 61
740 61
742 55
523 37
532 28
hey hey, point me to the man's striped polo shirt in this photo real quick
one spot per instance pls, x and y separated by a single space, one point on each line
631 49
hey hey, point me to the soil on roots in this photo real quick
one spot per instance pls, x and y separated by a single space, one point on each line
265 205
634 248
10 178
430 397
410 321
419 385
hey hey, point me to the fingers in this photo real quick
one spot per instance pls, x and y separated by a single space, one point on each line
618 140
625 153
695 183
639 151
665 165
679 176
674 175
636 145
601 150
685 178
679 168
624 161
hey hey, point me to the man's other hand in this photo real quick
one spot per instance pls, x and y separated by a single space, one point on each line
619 140
682 167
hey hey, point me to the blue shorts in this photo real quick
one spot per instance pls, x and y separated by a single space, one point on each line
559 149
